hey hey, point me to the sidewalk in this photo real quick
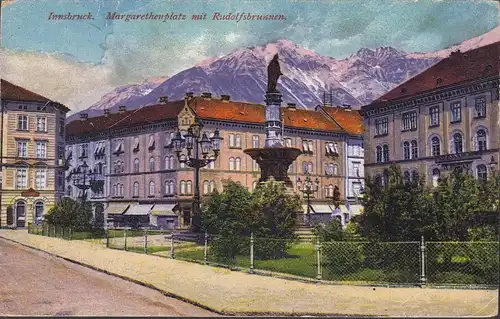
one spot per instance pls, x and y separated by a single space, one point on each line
232 292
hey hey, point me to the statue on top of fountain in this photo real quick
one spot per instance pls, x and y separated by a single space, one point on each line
273 74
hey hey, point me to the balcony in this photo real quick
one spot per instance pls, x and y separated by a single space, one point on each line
459 157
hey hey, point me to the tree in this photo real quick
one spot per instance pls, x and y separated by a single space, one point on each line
70 213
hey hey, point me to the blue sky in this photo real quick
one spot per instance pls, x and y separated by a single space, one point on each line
130 51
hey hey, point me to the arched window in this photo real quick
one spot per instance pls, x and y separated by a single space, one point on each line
206 187
435 146
406 177
152 164
414 149
172 187
231 163
167 162
172 162
238 141
21 213
310 167
237 163
406 150
481 140
136 165
135 191
115 190
415 176
329 190
183 187
39 210
379 154
304 167
482 173
121 189
385 153
152 188
231 140
189 187
167 187
212 186
335 169
457 143
435 177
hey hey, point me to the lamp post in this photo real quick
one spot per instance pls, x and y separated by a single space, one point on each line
308 189
191 143
83 177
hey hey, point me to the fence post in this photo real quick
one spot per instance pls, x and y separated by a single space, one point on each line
422 263
206 248
125 238
318 257
145 240
251 253
172 246
106 232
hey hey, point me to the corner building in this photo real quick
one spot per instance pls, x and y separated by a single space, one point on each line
142 175
446 118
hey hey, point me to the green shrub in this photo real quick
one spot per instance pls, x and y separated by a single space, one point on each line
342 257
455 278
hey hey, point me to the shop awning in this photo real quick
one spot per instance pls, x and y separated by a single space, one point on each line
321 208
116 209
163 210
139 210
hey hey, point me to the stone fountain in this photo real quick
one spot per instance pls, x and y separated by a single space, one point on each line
274 158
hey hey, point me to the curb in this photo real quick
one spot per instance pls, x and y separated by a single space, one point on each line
192 302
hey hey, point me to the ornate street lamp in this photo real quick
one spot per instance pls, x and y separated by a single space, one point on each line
83 178
193 143
308 189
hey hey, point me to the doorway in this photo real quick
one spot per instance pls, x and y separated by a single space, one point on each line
21 214
186 217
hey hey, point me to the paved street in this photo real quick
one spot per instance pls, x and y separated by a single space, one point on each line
35 283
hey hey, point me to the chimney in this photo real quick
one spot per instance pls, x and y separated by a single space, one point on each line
291 106
122 108
163 99
84 116
189 95
225 98
106 112
206 95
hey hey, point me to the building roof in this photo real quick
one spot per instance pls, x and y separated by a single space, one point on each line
459 67
10 91
350 120
209 109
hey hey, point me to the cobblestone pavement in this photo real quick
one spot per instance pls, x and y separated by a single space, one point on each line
33 283
233 292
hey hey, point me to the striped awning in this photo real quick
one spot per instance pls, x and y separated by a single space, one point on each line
116 209
321 208
139 210
163 210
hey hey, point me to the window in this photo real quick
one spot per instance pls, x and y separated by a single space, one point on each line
151 144
414 149
121 189
22 122
169 187
255 165
211 165
152 164
189 187
135 146
329 191
307 146
22 149
152 188
39 210
406 150
415 176
406 177
21 178
206 187
481 140
457 143
231 164
40 178
304 167
355 168
136 190
118 167
41 149
310 146
379 154
331 148
183 187
434 116
237 163
84 150
480 108
255 141
41 124
382 126
212 186
435 177
237 141
61 127
310 167
435 146
288 142
456 112
136 165
231 140
385 153
409 121
482 173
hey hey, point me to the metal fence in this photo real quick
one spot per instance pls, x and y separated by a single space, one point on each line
387 263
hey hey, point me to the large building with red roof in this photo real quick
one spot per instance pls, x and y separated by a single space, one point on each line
443 119
31 149
144 177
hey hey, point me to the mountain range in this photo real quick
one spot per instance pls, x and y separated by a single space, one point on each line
355 80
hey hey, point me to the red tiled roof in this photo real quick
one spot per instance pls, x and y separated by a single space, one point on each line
349 120
10 91
309 119
458 67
